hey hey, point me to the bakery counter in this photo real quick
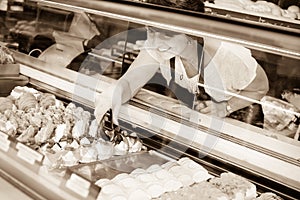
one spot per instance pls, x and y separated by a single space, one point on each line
168 127
41 136
29 158
219 152
23 167
52 144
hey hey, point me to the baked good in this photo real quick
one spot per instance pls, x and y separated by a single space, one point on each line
198 172
269 196
112 191
26 135
26 102
101 182
46 100
182 174
84 141
199 191
104 149
44 133
294 9
5 104
236 187
153 168
137 171
169 164
87 154
94 128
69 159
43 122
169 182
79 129
59 132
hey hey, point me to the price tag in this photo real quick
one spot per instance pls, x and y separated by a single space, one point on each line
28 154
4 142
44 172
78 185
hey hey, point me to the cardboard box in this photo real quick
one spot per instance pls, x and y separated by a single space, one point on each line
9 70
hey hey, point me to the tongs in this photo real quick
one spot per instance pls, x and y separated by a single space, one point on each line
112 131
116 135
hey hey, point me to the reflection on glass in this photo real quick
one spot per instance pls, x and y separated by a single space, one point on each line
254 82
211 76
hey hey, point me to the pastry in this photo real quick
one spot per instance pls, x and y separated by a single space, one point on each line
112 191
169 182
93 129
5 104
26 135
150 184
46 100
59 132
236 187
26 102
43 122
198 172
182 174
199 191
269 196
79 129
44 133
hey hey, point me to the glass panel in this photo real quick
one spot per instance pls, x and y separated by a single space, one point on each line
103 53
261 88
94 44
284 78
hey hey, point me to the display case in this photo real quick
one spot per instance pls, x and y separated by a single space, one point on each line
76 50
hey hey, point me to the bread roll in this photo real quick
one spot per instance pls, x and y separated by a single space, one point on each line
294 9
269 196
276 11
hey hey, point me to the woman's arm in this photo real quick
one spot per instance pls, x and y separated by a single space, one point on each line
255 90
139 73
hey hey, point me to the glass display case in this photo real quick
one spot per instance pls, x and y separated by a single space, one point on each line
76 50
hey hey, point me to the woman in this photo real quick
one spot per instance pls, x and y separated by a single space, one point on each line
227 67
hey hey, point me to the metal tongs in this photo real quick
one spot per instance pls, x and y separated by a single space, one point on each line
114 133
111 131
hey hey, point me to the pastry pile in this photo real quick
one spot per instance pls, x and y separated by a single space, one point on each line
65 134
154 181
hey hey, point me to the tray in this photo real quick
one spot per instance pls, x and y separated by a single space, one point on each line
120 164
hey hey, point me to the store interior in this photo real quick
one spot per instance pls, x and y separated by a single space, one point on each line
65 53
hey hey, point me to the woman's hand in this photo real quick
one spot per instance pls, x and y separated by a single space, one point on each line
214 108
109 99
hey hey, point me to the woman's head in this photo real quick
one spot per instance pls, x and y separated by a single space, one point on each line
166 43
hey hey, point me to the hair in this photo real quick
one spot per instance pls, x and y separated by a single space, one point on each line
193 5
170 33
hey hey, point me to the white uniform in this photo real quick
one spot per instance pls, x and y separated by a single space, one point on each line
231 69
162 48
